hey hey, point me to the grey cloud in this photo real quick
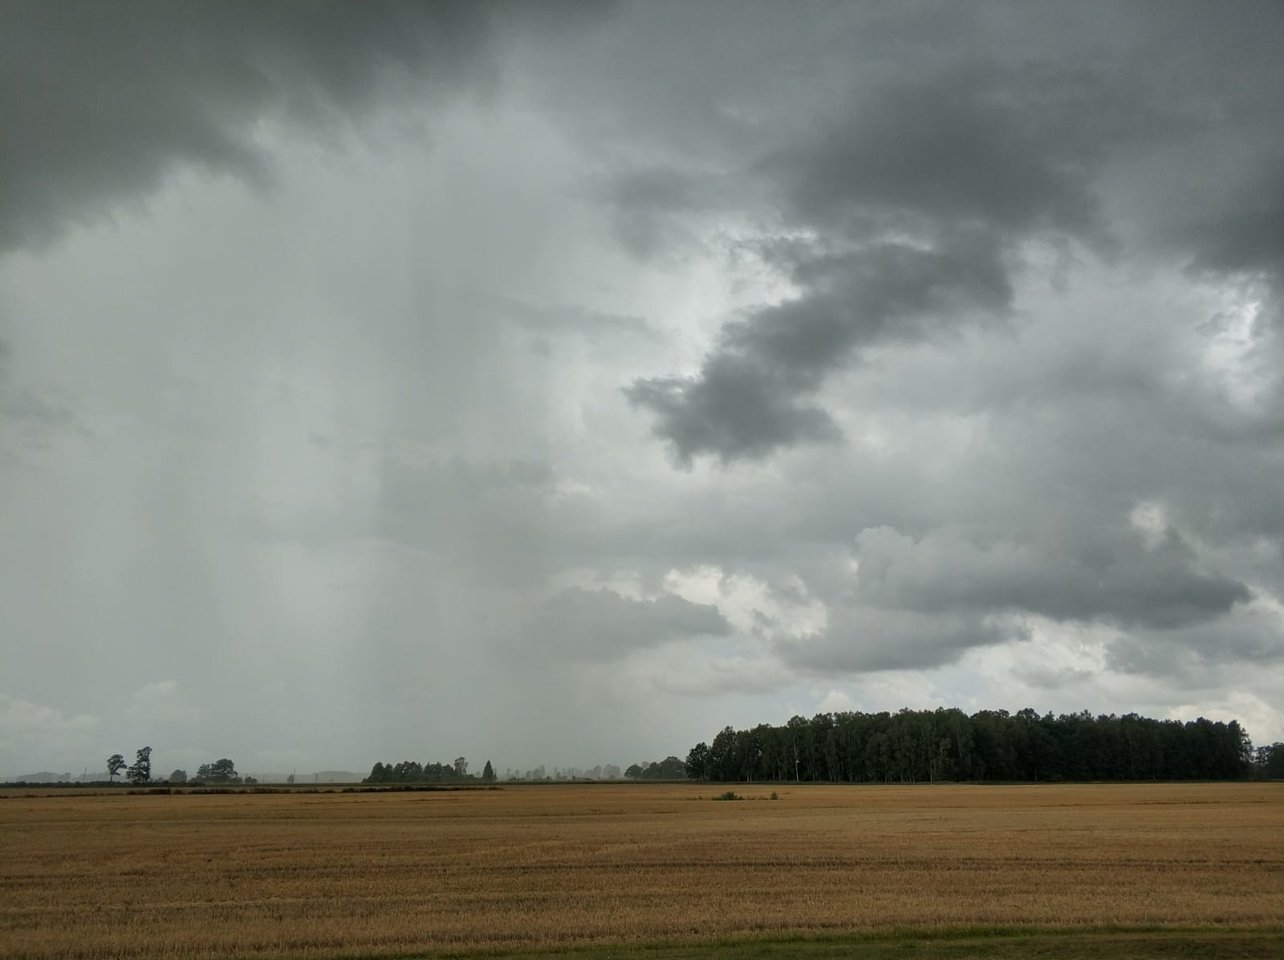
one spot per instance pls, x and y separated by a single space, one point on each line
749 397
653 206
487 519
984 143
593 325
735 408
655 188
1218 190
1252 635
102 101
966 164
1032 514
41 412
1215 194
1007 135
720 676
921 603
866 639
1244 236
989 238
1087 578
883 291
30 415
1054 678
603 625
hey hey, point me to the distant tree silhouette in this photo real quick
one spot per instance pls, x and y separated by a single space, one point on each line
141 770
411 771
220 771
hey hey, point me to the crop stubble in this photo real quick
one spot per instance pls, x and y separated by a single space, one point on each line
325 875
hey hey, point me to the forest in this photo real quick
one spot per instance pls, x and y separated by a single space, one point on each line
920 746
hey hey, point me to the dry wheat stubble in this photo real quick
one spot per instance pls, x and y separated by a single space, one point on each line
368 874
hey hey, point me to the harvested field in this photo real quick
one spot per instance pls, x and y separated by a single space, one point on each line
537 867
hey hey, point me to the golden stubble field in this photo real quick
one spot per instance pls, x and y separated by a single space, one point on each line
335 874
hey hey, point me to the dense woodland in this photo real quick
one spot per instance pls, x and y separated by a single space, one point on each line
411 771
917 746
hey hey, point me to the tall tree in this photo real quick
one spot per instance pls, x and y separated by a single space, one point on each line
115 764
698 762
141 769
488 773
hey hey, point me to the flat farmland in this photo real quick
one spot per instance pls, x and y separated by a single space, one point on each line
663 867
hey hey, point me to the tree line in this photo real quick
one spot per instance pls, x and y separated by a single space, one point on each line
140 771
411 771
920 746
909 746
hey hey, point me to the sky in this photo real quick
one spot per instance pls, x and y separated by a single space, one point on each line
559 383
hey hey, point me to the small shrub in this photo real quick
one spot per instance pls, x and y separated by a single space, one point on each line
729 795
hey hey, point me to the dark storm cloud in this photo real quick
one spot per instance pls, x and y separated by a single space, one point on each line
1245 236
1195 653
865 639
101 101
1012 148
916 197
1111 577
903 213
603 625
736 408
1060 130
748 398
1251 637
1217 191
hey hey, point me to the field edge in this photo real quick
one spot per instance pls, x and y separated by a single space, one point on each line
923 943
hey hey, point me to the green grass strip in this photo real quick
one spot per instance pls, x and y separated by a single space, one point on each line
967 943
